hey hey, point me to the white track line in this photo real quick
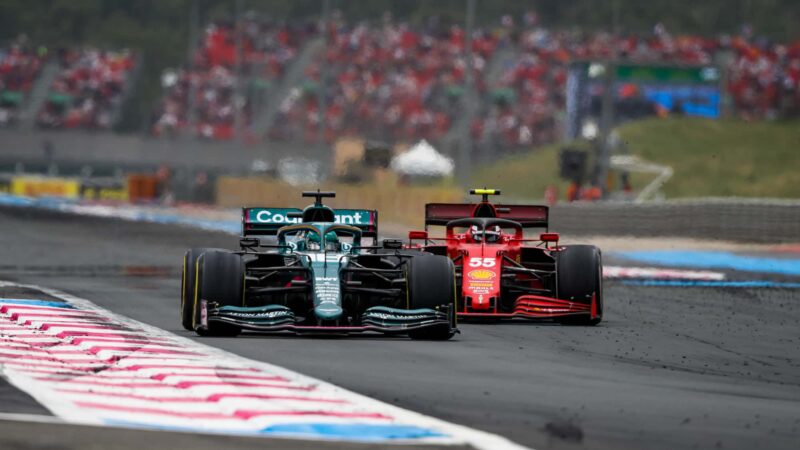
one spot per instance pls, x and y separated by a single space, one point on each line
658 273
177 382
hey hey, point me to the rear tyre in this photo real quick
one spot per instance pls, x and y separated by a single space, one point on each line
220 279
580 277
432 284
188 285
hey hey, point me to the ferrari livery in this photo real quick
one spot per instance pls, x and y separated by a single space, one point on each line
501 273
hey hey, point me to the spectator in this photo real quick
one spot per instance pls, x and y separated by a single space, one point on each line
88 89
19 67
208 87
390 80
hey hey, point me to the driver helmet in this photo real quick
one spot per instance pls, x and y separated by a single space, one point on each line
313 242
475 233
332 241
492 233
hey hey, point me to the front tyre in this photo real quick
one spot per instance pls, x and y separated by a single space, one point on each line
432 285
188 285
220 280
579 270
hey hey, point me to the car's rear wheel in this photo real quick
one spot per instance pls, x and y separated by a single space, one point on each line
188 282
220 279
431 284
580 279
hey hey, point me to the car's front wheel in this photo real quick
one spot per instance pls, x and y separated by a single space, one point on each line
220 279
188 284
579 270
432 284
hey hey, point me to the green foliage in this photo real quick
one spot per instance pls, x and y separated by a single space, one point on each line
721 158
710 158
523 176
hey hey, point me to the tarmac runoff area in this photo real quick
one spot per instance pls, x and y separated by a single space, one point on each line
680 366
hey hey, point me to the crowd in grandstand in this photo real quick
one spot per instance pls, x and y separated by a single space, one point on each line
87 90
19 66
396 81
207 86
762 76
390 81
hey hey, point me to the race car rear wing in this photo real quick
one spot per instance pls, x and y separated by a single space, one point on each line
529 216
267 221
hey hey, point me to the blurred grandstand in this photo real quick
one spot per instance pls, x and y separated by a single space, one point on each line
201 98
20 65
250 86
388 79
88 89
394 80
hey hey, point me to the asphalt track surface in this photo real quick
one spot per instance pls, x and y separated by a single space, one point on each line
670 367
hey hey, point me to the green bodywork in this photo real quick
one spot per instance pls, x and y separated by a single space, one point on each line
314 266
325 262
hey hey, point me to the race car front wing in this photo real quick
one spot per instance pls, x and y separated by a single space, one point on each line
380 319
540 307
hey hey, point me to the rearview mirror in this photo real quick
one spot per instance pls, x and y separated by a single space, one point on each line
392 244
548 237
417 235
248 242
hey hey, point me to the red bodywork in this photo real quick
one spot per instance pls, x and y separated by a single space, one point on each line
512 277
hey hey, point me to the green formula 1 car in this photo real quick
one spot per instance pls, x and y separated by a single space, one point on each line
309 271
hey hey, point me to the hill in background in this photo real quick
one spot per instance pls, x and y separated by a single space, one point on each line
710 158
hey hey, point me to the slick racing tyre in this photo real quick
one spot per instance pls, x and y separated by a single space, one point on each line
188 285
579 270
431 284
220 279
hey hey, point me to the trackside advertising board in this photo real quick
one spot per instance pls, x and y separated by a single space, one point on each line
268 220
36 186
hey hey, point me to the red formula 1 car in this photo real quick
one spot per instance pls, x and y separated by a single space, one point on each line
501 274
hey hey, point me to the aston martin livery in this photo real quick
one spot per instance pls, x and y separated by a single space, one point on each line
311 271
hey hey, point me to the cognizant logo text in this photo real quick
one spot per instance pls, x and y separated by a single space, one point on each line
267 216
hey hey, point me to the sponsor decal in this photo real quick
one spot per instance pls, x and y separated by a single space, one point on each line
481 274
479 290
281 216
104 193
355 218
480 287
327 290
387 316
35 186
256 315
267 216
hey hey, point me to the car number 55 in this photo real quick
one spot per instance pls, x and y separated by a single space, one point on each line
482 262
